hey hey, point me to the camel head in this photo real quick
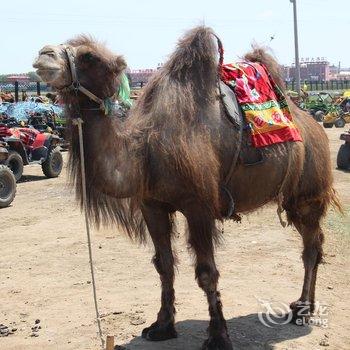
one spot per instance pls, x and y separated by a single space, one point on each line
96 67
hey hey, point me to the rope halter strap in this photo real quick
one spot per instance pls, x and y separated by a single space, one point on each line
76 86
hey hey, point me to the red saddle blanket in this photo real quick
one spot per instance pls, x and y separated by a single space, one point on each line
263 103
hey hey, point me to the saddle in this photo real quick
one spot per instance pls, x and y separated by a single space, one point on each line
231 106
247 155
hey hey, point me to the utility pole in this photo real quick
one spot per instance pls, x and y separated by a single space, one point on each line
297 64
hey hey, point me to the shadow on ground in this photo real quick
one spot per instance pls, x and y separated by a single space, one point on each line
246 332
343 170
32 178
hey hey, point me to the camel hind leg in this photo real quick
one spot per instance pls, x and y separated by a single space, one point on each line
307 221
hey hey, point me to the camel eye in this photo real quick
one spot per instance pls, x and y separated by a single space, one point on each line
49 53
88 57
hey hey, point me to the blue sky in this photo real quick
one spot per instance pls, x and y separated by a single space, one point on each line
145 32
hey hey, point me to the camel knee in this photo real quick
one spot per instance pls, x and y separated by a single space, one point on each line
313 250
312 256
164 264
207 277
157 264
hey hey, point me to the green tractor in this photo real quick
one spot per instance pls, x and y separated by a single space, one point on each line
339 114
318 105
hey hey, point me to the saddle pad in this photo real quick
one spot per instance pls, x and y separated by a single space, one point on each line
264 106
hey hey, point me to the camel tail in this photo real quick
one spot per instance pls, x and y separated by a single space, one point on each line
260 55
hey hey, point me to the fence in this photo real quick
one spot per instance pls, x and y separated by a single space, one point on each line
30 87
38 87
321 85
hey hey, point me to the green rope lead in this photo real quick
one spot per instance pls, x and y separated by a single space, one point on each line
124 91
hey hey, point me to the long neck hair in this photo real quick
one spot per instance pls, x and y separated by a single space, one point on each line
101 135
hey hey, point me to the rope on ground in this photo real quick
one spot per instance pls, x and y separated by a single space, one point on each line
79 123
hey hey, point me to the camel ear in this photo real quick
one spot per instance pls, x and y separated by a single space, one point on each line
118 64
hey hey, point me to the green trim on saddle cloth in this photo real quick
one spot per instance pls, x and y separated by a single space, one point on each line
264 105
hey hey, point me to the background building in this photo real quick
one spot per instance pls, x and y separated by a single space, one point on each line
139 77
21 78
311 70
318 70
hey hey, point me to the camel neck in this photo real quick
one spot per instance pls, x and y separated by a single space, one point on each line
111 162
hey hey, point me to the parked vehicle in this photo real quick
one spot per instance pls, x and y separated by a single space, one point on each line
7 179
28 145
318 105
339 115
45 117
343 157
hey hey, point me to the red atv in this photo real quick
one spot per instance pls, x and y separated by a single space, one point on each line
7 179
30 146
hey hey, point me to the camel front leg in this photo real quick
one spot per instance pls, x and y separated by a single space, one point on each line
160 227
201 236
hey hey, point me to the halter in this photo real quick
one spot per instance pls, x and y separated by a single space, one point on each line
104 105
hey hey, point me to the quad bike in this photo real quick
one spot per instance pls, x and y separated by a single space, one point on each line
28 145
7 179
43 117
51 123
343 157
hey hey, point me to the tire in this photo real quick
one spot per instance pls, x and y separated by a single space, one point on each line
53 164
7 186
339 123
319 116
343 157
328 125
15 162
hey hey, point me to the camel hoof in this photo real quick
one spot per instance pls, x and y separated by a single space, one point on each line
301 312
217 343
158 333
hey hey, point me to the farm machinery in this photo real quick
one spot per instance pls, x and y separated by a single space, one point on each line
339 115
318 105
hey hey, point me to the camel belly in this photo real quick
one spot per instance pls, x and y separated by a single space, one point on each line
255 185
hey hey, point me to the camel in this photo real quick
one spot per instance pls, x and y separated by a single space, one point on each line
173 152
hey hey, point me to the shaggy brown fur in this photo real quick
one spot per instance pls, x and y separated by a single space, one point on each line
101 78
172 154
172 106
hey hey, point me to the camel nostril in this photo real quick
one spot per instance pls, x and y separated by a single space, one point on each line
38 63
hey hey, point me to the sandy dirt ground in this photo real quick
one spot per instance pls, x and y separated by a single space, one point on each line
44 276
